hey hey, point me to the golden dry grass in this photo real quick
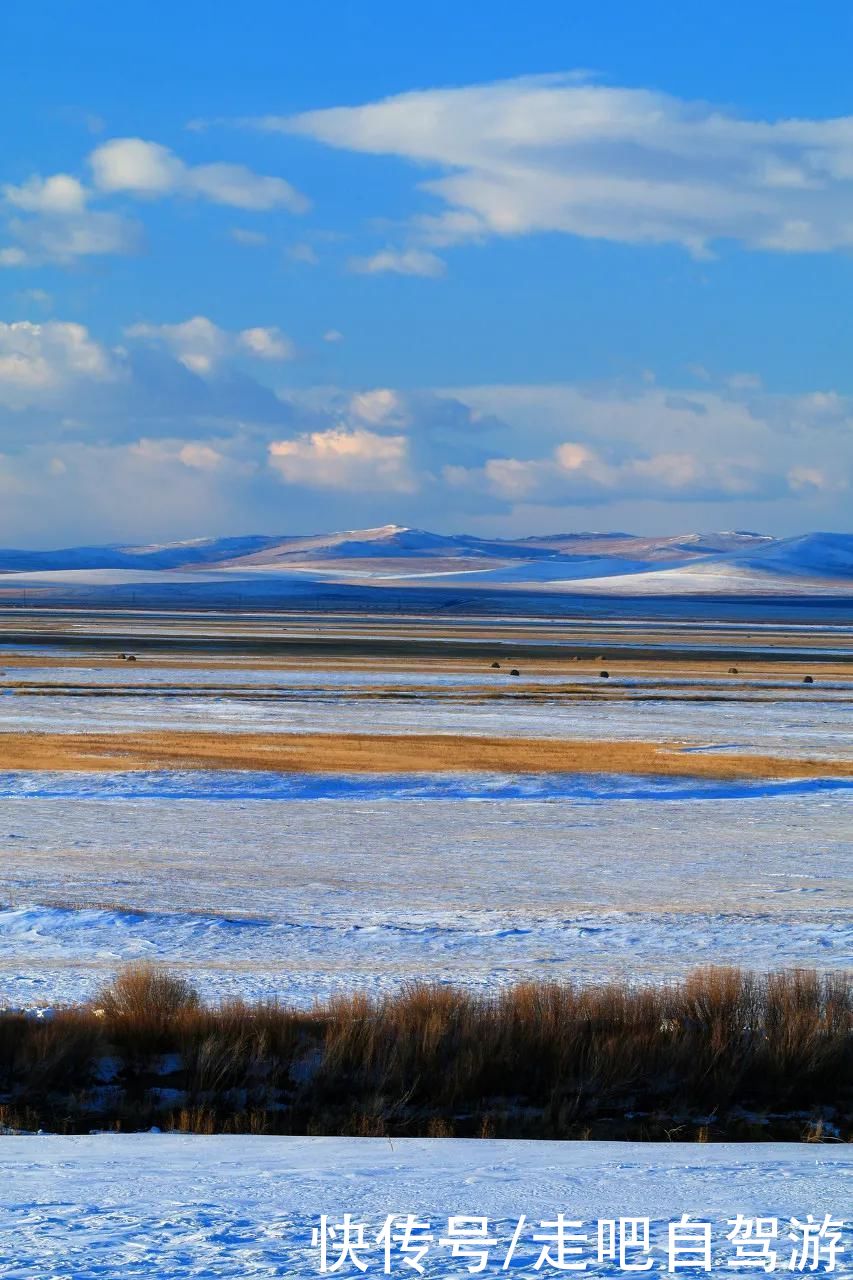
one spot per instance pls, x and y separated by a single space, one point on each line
391 754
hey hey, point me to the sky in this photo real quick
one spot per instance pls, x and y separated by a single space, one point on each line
484 267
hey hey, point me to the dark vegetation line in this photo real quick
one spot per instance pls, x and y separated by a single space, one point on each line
724 1054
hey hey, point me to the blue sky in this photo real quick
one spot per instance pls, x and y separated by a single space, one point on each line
506 268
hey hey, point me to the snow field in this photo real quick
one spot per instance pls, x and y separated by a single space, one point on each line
296 887
171 1206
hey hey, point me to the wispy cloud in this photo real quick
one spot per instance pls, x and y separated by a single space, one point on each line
247 236
630 165
401 262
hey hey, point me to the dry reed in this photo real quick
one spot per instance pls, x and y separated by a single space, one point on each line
723 1053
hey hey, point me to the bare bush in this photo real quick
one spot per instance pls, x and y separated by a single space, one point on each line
534 1060
146 994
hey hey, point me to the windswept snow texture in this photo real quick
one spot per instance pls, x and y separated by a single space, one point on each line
244 784
302 886
77 950
170 1206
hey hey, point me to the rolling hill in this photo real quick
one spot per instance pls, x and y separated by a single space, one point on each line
733 563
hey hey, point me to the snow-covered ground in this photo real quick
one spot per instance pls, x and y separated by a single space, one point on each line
337 680
170 1206
776 717
298 886
274 885
65 956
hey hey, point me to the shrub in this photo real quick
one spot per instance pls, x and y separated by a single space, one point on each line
146 994
758 1054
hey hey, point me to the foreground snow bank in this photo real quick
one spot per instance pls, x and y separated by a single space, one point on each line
169 1206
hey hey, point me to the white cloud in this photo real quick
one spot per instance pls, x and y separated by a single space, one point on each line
148 169
401 262
61 227
266 343
37 297
12 256
97 441
630 165
744 382
576 472
91 233
815 480
235 185
59 194
333 335
353 459
82 491
605 445
200 345
193 454
380 407
38 360
200 456
132 164
245 236
303 253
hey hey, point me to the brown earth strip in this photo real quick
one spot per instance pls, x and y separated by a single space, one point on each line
392 754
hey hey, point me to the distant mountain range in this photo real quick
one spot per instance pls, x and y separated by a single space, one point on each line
387 542
727 563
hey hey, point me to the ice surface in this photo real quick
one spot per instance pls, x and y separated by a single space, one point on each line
169 1206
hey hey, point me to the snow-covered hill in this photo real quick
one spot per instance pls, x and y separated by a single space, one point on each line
821 554
168 555
734 563
812 564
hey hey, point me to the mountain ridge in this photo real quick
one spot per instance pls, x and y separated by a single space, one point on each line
725 562
391 540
